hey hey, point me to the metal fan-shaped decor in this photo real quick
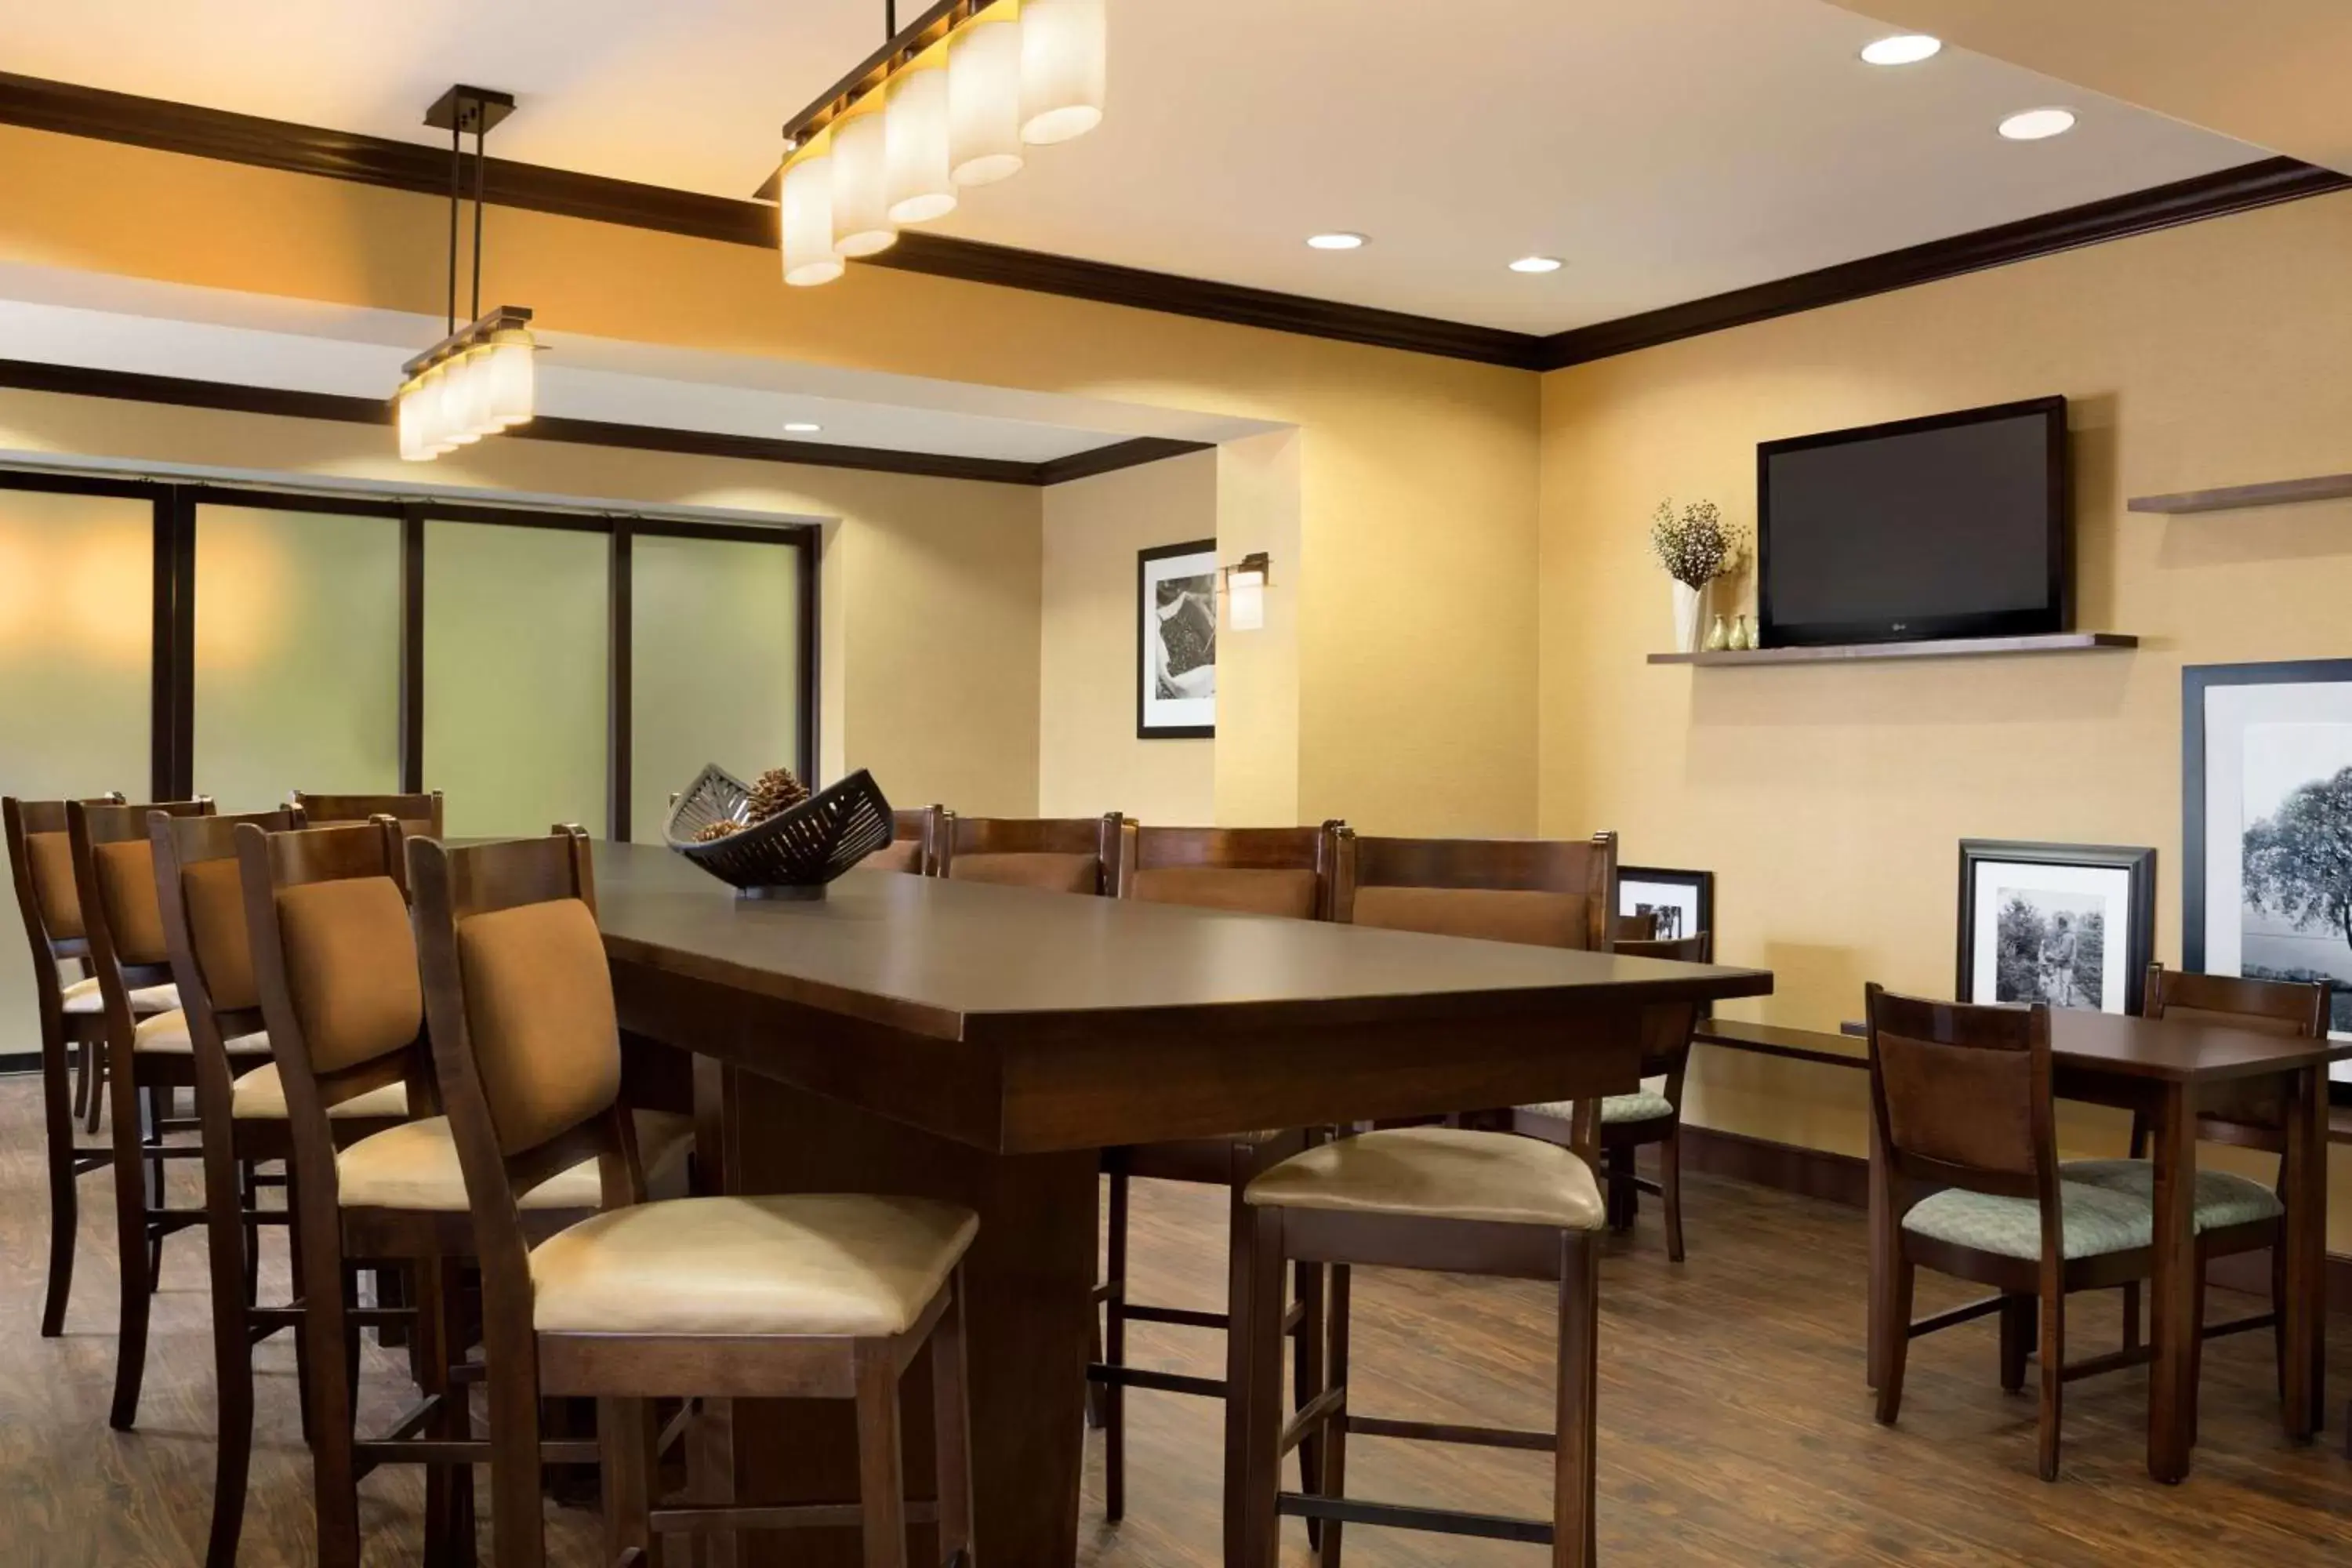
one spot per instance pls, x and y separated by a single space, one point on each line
791 854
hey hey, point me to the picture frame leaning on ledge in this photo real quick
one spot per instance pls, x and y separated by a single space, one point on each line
2070 924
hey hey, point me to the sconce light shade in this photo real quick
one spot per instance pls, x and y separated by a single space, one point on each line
1245 593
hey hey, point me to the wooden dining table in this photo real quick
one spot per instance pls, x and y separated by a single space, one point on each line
2167 1069
980 1043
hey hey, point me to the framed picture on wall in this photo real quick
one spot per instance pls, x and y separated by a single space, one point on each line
2070 924
2266 825
1683 901
1176 643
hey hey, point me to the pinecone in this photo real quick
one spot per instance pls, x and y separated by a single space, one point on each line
776 791
712 832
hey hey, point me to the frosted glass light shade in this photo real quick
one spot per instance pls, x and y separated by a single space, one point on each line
462 405
432 418
861 186
808 223
510 385
1063 68
410 409
916 132
1246 599
985 103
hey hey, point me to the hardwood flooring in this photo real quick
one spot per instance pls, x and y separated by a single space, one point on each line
1733 1425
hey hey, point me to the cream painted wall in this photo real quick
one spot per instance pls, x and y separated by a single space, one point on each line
1830 800
929 587
1417 482
1089 760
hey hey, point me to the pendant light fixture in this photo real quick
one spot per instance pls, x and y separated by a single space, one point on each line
952 101
478 380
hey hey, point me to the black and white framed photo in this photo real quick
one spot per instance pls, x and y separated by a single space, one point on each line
2070 924
1176 651
1683 901
2266 829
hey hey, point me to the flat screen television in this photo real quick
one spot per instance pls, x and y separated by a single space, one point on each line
1954 526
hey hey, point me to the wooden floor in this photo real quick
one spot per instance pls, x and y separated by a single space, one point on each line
1733 1425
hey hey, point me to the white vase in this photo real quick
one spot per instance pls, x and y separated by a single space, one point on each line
1686 617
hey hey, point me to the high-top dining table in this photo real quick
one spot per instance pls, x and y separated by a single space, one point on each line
912 1035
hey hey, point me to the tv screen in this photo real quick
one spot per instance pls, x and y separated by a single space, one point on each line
1949 527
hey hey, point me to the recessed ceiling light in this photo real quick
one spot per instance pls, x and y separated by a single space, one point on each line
1902 49
1538 264
1335 241
2038 124
801 428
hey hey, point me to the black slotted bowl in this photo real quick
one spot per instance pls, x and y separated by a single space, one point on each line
791 854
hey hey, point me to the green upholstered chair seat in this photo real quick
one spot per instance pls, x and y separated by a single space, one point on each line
1646 1106
2223 1199
2094 1221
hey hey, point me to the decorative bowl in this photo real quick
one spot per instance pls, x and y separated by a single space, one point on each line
791 854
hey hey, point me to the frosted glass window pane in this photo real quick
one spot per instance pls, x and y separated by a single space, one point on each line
716 665
76 596
516 659
297 654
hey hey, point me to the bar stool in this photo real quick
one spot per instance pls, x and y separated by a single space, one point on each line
72 1020
334 962
822 1296
1440 1198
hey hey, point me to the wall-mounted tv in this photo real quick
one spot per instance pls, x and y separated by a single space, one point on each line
1953 526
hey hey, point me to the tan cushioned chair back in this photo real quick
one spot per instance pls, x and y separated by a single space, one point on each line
1252 892
904 855
538 1004
1963 1105
50 857
1494 914
214 895
1052 873
126 883
350 964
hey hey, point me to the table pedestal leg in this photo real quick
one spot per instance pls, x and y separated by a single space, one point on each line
2172 1380
2305 1306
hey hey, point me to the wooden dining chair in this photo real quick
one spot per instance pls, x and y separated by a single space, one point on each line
419 813
909 850
71 1017
827 1296
1635 928
1630 1123
1284 871
148 1057
1059 854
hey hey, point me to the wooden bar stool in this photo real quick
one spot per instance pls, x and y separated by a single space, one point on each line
822 1296
1058 854
334 962
1442 1198
420 815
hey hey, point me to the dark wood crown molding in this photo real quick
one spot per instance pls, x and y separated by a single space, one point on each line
94 112
76 381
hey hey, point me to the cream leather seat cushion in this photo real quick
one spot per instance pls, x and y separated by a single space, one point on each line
1439 1172
82 997
167 1033
824 1263
260 1096
1648 1105
414 1166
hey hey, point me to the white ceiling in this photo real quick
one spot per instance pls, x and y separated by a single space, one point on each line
1668 149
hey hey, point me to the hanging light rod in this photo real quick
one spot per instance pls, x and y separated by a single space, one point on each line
935 24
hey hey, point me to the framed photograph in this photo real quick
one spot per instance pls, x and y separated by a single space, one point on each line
2070 924
1176 649
2266 825
1684 901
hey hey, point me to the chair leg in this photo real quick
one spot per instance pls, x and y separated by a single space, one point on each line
881 1480
2131 1316
1112 1397
2016 1340
2053 1371
334 1480
1624 1200
627 1438
450 1488
1895 1308
226 1233
517 1529
1574 1467
96 1050
2278 1312
82 1052
58 1121
1335 1434
1670 1189
1254 1389
133 1261
2196 1348
1306 1375
951 1431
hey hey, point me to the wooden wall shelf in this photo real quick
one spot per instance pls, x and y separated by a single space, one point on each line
1946 647
2277 492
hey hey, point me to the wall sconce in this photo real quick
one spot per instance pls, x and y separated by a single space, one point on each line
1245 582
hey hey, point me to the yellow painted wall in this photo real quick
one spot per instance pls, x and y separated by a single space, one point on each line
1417 478
1089 760
1830 800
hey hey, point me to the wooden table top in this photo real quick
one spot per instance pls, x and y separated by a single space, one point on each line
2171 1050
962 960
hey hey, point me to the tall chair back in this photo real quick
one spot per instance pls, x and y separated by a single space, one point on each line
419 815
1056 854
1543 892
40 862
2252 1114
202 899
1285 871
1962 1098
1666 1028
122 916
909 850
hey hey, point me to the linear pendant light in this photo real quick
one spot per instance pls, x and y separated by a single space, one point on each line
952 101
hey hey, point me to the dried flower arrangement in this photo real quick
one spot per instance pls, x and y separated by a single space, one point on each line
1695 547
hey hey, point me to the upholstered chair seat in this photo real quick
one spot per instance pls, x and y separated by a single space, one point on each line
260 1096
1650 1102
168 1033
2093 1220
1439 1172
82 997
2222 1198
414 1166
1052 873
831 1264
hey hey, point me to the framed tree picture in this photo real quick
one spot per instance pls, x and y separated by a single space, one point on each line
2073 925
1682 902
2266 825
1176 644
